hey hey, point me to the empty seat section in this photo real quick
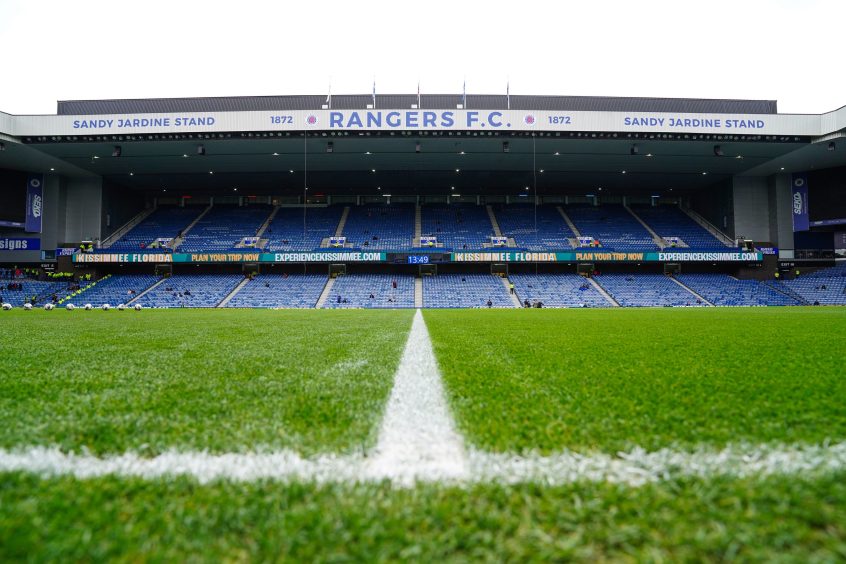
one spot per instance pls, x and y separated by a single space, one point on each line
191 290
457 226
518 221
224 227
380 227
277 290
557 290
826 286
464 290
723 290
42 290
645 290
354 291
298 229
612 225
670 221
165 222
115 290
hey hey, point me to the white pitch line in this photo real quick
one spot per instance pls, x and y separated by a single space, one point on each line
638 467
417 438
634 468
418 443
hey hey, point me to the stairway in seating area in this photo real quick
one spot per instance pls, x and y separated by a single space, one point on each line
709 227
655 237
267 222
602 291
418 225
234 291
339 231
327 290
514 299
418 292
568 221
494 222
178 240
126 228
689 289
156 285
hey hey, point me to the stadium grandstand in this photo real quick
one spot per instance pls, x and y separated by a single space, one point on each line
434 201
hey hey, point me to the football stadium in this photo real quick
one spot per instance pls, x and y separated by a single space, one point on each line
422 327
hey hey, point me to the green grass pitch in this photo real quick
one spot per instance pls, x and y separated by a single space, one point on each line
609 380
222 381
516 381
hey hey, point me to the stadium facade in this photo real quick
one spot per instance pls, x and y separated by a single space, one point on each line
466 184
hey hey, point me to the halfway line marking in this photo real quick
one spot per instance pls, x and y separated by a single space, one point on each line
417 438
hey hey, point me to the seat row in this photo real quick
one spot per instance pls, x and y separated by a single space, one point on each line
392 227
445 290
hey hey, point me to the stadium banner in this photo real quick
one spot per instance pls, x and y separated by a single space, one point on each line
419 120
606 256
824 222
375 257
20 244
215 258
34 202
801 221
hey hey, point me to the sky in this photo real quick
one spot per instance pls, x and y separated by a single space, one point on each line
95 49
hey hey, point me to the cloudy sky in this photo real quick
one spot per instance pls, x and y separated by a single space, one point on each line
777 49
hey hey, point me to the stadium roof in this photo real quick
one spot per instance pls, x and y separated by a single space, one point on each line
427 101
621 145
473 165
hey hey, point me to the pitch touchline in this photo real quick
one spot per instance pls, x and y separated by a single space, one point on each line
633 468
418 442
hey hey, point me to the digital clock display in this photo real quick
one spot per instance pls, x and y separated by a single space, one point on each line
418 259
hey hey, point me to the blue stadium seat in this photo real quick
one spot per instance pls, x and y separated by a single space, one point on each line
165 222
298 229
280 291
518 221
612 225
645 290
203 290
354 291
117 289
42 290
826 286
380 227
224 227
557 290
723 290
464 291
670 221
457 226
